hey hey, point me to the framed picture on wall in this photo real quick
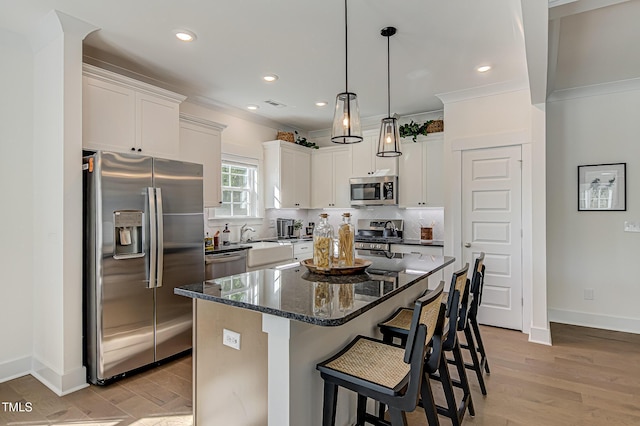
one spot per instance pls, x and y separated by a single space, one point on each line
602 187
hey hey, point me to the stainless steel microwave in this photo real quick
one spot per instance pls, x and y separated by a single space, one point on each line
374 191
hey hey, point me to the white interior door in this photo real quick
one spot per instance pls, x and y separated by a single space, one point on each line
492 223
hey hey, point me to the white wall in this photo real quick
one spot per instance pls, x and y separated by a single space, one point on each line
17 212
590 250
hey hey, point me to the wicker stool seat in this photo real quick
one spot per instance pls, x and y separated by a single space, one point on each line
398 324
384 372
374 362
395 327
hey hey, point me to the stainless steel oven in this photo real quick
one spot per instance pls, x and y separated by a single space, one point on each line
374 191
375 236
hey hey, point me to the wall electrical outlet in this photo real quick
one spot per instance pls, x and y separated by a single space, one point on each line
272 223
588 294
630 226
231 339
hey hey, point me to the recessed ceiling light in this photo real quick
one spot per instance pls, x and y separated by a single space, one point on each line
185 35
321 103
483 68
270 78
252 107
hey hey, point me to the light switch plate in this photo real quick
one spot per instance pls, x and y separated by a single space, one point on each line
231 339
631 226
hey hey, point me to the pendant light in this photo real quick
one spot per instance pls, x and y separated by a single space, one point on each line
389 143
346 118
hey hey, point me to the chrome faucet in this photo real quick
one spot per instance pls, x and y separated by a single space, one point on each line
243 230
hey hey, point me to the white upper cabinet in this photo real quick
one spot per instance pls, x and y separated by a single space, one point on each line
365 162
200 142
421 172
287 175
330 173
125 115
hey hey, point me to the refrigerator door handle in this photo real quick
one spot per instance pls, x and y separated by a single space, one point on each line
160 236
153 246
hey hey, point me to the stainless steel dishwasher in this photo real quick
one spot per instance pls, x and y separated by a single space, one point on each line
225 264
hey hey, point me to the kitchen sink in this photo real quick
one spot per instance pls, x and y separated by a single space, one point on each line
265 253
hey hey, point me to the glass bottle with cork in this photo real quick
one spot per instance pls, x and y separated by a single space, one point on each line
346 246
323 244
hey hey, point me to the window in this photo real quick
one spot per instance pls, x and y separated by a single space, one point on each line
239 190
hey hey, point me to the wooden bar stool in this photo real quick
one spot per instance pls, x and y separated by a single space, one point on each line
396 327
385 372
469 324
476 290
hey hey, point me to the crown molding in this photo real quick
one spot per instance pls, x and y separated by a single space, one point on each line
561 8
192 119
238 112
483 91
110 76
189 95
595 90
370 124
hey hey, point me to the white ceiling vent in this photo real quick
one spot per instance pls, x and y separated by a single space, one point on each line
275 103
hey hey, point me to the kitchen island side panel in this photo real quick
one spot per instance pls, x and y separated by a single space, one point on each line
230 384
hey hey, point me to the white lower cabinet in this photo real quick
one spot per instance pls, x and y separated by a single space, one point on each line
420 178
200 142
302 250
330 173
125 115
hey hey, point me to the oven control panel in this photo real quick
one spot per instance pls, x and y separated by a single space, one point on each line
371 246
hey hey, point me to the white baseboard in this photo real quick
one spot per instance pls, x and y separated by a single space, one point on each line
61 384
10 370
584 319
540 335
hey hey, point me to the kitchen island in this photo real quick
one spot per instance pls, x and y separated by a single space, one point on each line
289 320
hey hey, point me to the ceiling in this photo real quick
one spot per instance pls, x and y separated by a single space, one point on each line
436 50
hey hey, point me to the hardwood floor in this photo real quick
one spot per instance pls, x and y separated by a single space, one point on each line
588 377
158 397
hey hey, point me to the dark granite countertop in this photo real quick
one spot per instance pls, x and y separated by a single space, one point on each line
323 300
409 242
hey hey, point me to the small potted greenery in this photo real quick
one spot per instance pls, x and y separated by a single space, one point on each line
414 129
297 226
304 142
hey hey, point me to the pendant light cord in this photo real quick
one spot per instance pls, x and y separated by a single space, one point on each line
388 78
346 50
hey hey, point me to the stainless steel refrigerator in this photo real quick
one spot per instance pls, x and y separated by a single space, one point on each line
143 227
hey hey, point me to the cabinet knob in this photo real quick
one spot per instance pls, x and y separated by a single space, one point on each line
133 149
139 149
467 245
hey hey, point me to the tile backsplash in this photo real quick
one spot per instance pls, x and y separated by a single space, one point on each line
413 220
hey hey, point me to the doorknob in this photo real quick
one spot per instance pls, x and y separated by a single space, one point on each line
467 245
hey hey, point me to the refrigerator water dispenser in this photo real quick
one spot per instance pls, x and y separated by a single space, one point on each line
128 234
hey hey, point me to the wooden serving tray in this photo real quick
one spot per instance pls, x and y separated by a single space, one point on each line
358 268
